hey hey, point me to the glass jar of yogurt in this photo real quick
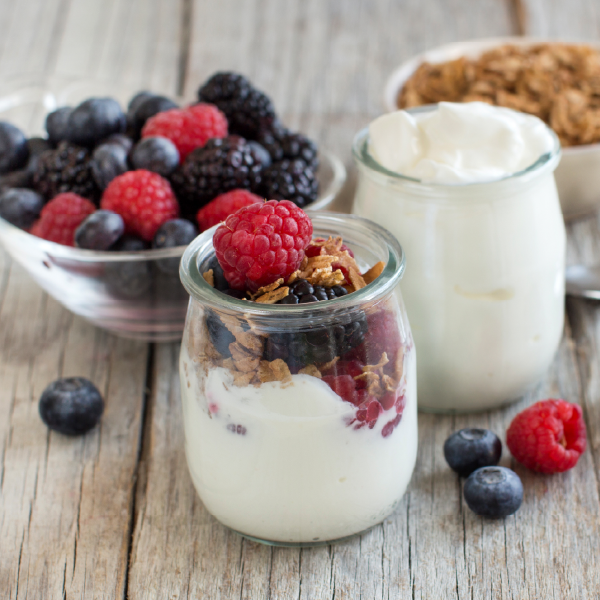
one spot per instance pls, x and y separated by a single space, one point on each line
484 289
300 420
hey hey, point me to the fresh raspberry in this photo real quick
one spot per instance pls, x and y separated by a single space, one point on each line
61 217
188 128
144 199
261 243
548 437
222 206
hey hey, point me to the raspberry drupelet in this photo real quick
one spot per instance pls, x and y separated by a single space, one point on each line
144 199
261 243
188 128
61 217
548 437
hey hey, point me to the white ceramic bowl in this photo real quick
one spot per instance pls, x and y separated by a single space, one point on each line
577 175
132 294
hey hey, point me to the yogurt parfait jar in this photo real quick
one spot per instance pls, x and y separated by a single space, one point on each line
300 420
484 289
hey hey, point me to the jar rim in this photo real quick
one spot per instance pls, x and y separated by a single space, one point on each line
362 156
201 249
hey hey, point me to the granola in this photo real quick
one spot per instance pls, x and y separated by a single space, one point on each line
559 83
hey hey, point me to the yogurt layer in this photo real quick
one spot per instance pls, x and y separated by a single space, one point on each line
282 462
458 143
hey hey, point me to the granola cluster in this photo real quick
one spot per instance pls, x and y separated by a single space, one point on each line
559 83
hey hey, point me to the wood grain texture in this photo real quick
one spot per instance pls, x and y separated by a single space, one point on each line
65 502
114 514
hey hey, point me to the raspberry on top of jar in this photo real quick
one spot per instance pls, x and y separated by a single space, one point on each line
265 254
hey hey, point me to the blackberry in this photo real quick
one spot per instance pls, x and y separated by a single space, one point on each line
66 169
223 85
36 146
290 180
301 291
316 345
282 144
16 179
221 165
247 109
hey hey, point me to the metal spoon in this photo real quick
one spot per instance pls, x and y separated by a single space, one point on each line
583 281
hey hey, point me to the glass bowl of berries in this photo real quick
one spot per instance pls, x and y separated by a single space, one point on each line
99 203
298 374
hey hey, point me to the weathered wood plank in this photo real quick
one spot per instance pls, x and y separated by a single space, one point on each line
573 20
65 502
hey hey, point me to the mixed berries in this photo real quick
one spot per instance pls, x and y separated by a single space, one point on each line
548 437
155 162
265 253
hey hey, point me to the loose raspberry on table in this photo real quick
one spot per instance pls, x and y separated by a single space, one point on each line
261 243
188 128
61 217
222 206
548 437
144 199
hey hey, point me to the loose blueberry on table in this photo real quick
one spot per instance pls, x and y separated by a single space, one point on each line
265 254
470 449
71 405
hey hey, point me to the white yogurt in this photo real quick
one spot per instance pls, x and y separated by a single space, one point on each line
484 284
280 462
458 143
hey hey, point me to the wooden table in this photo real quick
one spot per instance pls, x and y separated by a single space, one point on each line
113 514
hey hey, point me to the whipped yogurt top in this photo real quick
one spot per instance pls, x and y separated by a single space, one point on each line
458 143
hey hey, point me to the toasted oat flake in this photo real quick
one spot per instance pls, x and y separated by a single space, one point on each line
374 272
268 288
209 277
329 365
310 370
274 296
276 370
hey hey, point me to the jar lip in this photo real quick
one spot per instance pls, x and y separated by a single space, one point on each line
201 249
361 155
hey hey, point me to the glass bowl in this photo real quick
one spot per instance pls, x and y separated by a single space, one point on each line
132 294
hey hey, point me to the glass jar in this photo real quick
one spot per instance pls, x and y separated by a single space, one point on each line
485 287
287 441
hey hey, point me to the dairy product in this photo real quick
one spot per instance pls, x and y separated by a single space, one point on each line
484 287
284 462
458 143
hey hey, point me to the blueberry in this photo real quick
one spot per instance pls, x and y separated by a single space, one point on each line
469 449
13 148
156 154
71 406
100 230
134 104
130 243
221 283
173 233
108 161
57 124
129 279
21 207
493 492
146 109
219 335
121 140
93 120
